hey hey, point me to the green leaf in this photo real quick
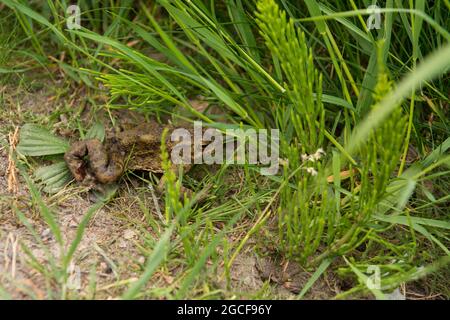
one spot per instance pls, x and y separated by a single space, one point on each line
38 141
434 65
97 131
156 258
321 269
53 177
11 70
45 212
417 224
420 221
202 259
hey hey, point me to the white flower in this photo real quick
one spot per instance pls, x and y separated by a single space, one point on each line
319 153
311 171
314 157
283 162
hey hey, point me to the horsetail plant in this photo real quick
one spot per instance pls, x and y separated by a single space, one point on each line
305 210
380 155
379 158
303 83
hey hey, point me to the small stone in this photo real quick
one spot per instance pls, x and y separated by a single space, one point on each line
46 234
105 267
122 243
73 224
129 234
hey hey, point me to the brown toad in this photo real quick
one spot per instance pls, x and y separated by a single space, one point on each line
91 161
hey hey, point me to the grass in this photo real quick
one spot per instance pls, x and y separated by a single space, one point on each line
351 104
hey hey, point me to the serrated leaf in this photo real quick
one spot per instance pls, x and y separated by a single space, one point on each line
53 177
38 141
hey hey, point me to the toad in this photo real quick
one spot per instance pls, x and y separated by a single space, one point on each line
93 162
